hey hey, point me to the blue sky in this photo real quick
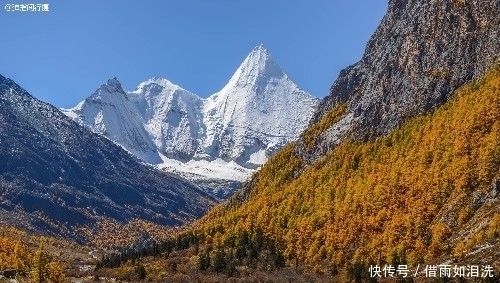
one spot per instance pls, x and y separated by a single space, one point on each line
63 55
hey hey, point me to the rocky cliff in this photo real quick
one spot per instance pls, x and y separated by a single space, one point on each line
421 52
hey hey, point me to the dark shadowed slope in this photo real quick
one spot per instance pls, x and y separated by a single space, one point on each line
54 174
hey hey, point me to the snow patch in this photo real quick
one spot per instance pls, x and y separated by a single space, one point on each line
258 157
206 170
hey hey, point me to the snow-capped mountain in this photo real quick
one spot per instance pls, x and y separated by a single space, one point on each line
171 115
109 112
259 111
223 137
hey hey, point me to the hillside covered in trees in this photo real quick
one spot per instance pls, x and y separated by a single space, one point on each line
427 191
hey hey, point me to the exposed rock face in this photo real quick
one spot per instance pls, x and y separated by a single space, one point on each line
420 53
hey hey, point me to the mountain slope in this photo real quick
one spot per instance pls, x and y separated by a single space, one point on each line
108 112
420 53
54 174
431 188
398 165
171 116
372 181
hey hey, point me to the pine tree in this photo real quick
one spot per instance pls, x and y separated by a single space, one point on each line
55 272
39 272
140 272
219 262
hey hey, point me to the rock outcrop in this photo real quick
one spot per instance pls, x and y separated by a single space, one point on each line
421 52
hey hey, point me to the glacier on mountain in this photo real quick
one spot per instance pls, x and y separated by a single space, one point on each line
224 137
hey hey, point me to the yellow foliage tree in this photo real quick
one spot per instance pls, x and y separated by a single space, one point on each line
378 200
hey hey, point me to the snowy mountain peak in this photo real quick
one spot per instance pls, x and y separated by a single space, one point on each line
257 69
112 86
162 82
107 93
260 47
113 82
260 52
108 111
256 112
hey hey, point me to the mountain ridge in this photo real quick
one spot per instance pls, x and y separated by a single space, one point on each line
253 116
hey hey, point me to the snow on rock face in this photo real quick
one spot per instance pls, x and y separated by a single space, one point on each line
259 111
109 112
171 116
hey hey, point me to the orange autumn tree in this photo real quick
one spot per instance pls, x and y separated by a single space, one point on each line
401 195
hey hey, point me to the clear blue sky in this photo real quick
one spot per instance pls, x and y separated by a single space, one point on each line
63 55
